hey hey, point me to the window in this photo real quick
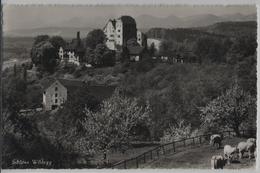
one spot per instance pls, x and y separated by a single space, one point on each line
44 92
118 36
56 88
56 100
118 30
56 95
111 35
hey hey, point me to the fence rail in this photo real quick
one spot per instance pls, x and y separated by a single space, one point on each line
174 146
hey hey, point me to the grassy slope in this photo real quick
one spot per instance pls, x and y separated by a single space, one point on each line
199 157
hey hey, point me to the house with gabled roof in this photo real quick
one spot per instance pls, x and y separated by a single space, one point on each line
73 52
56 92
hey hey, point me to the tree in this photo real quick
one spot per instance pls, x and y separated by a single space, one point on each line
74 108
44 55
15 70
101 56
173 133
111 126
24 73
14 99
243 46
210 49
40 38
132 42
94 38
57 42
152 50
229 110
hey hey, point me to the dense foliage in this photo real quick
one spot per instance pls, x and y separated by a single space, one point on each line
111 127
176 100
101 56
44 52
94 38
229 110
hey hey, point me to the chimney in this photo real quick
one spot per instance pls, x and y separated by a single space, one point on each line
78 35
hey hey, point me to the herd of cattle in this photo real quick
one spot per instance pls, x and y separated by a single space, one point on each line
231 153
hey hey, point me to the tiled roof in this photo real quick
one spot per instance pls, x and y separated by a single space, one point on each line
71 84
99 91
46 83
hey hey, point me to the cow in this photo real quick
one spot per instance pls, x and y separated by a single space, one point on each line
229 153
216 139
253 140
246 147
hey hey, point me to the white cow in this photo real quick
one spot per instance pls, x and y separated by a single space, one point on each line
253 140
229 152
246 147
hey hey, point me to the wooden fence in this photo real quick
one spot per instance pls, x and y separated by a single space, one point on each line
175 146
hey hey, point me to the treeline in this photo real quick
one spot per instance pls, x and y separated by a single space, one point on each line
178 34
206 48
44 52
218 30
232 29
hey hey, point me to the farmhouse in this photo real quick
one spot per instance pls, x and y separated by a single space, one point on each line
73 52
135 53
119 31
57 91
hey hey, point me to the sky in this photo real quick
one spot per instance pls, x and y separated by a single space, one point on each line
36 16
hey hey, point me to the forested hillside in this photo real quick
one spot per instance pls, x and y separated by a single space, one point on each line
222 29
214 88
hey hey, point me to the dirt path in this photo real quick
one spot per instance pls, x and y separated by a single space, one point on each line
199 157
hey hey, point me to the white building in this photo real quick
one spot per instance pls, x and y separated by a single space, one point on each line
73 52
57 91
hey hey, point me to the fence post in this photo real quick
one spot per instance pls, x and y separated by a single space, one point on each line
173 144
163 149
152 155
144 157
157 153
228 133
137 164
125 164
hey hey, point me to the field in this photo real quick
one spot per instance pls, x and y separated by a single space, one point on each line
16 50
199 158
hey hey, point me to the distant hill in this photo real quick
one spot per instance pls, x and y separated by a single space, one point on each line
178 34
66 32
231 28
148 21
68 27
222 29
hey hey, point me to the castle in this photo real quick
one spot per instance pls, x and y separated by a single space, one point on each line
119 31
